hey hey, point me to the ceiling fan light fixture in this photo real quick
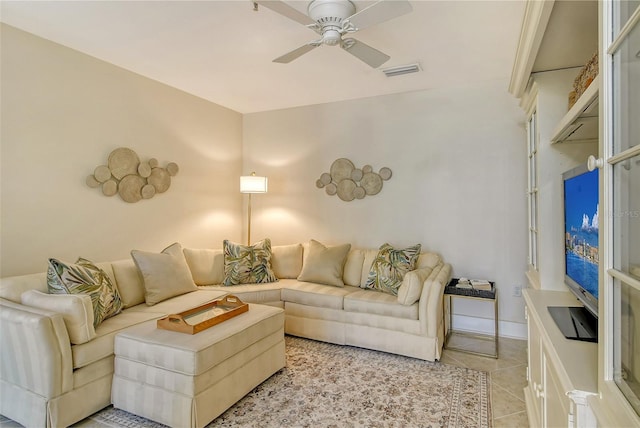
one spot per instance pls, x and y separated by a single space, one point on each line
331 37
330 11
401 69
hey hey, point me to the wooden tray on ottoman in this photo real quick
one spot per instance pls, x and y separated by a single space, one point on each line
200 318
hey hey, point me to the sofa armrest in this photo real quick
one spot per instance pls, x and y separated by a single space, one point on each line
430 305
35 350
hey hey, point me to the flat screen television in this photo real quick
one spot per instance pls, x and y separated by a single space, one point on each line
581 256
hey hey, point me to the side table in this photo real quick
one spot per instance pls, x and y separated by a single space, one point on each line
472 343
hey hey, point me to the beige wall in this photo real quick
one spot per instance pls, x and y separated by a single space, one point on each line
458 158
63 112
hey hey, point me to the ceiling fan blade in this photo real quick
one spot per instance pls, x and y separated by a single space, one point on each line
378 12
284 9
364 52
296 53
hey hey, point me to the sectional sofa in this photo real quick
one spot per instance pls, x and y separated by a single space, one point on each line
57 369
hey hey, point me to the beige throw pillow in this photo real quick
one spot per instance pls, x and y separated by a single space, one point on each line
411 287
286 260
324 265
76 310
165 275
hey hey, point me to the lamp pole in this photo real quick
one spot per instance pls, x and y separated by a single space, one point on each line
252 184
249 221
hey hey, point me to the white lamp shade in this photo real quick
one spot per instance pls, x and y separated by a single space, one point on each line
253 184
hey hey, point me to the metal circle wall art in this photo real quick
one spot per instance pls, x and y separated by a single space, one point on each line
349 182
133 180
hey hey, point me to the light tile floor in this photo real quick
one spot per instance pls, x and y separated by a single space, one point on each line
508 378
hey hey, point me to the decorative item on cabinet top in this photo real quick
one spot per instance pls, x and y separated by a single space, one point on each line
587 74
349 182
133 180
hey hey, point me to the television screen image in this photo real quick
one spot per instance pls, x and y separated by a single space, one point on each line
581 211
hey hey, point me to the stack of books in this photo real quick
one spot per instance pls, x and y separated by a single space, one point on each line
481 284
476 284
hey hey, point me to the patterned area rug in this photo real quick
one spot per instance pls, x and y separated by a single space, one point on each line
327 385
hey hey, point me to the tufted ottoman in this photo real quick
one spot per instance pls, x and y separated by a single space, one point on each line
186 380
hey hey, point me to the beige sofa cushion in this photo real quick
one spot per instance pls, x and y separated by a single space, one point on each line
207 266
102 346
324 265
254 293
379 303
353 268
430 260
369 257
318 295
165 274
182 302
12 287
411 287
76 310
129 282
286 260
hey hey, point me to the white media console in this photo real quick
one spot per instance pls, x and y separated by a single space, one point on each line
561 372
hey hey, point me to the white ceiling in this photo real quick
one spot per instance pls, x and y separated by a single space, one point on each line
222 51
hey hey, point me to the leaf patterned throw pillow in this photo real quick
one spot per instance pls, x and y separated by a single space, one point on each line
247 264
84 277
390 266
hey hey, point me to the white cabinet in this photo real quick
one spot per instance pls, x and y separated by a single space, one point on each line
534 387
561 372
581 121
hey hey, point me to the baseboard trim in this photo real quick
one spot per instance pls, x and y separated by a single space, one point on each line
509 329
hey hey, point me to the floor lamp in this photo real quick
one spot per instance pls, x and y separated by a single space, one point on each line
252 184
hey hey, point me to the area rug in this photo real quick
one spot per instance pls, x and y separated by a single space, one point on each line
325 385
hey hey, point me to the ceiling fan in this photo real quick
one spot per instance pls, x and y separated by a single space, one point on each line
333 19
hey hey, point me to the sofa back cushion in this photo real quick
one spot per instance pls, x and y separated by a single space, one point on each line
286 260
369 258
353 268
129 282
429 260
207 266
12 287
76 310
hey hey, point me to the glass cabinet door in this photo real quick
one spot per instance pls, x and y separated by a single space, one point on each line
622 196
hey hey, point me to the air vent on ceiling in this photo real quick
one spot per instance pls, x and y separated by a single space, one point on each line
402 69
